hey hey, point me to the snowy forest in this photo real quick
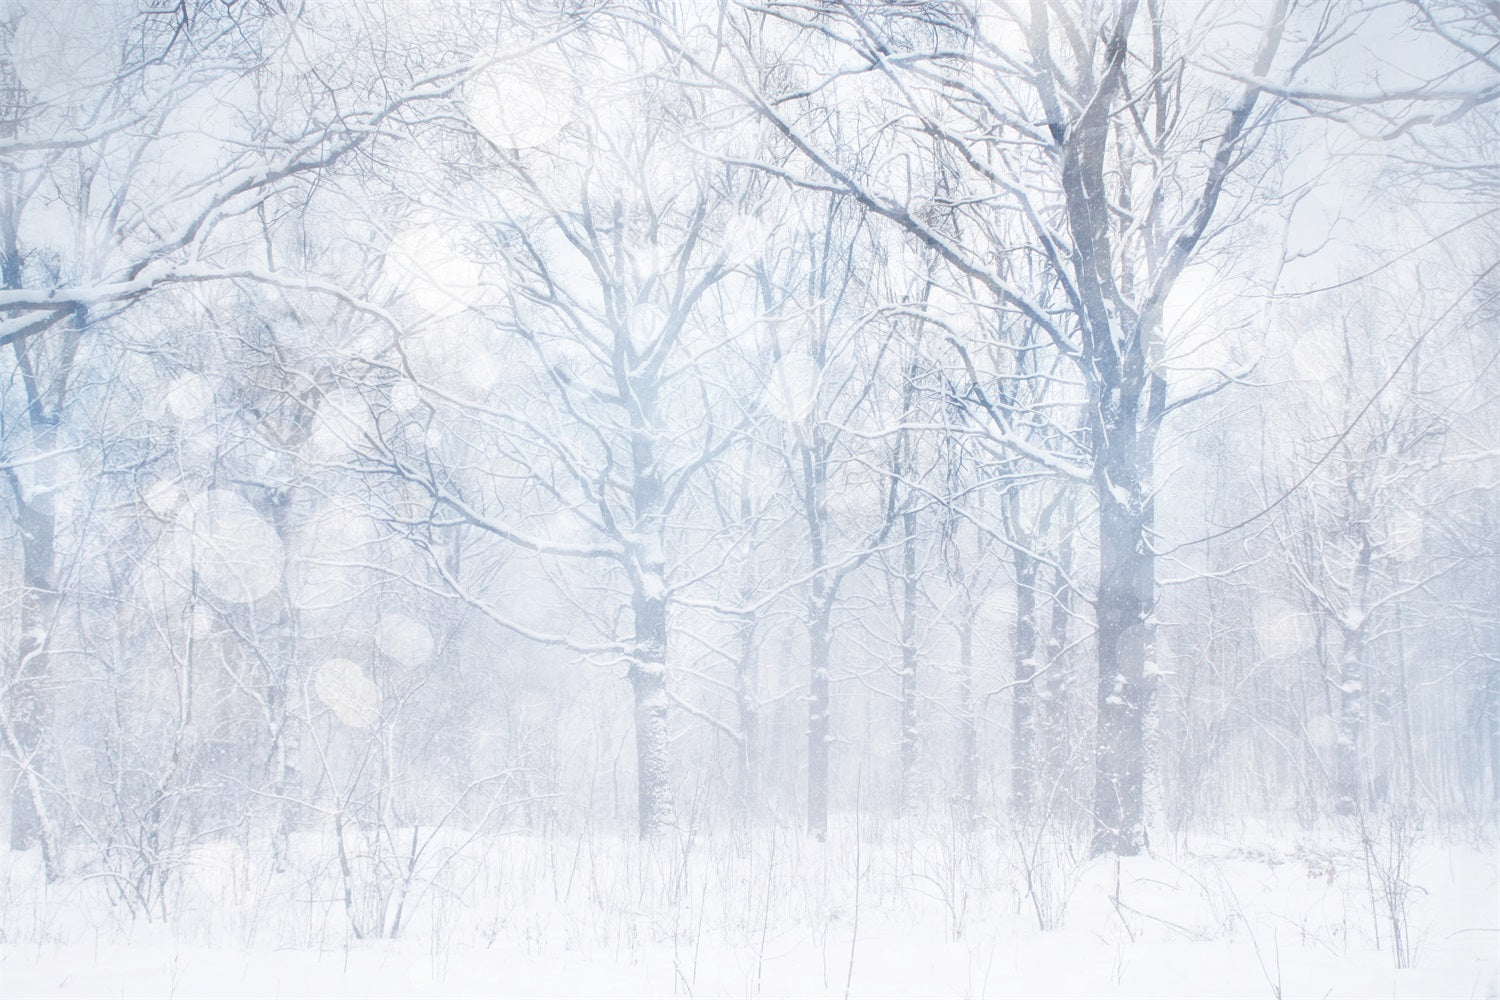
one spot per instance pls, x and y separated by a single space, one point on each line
750 497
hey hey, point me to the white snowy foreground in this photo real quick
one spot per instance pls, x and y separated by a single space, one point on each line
1240 914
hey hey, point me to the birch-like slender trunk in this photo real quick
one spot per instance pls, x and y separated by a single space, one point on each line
648 667
1348 760
909 730
1023 704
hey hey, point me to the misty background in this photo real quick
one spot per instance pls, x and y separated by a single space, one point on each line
1060 431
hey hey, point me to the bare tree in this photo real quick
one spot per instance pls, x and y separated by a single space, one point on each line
1082 136
95 124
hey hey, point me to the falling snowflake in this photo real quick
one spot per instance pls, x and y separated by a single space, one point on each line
189 397
792 388
342 686
231 549
520 102
407 642
424 263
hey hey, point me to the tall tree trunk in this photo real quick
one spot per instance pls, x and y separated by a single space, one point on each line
26 716
1125 597
819 638
26 711
1023 704
748 706
23 709
1490 717
648 668
1348 776
909 730
648 676
286 738
1403 709
968 724
1348 761
818 731
1057 690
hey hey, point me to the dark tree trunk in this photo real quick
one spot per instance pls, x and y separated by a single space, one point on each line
1125 598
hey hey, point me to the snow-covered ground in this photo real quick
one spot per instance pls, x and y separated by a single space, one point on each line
1250 914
